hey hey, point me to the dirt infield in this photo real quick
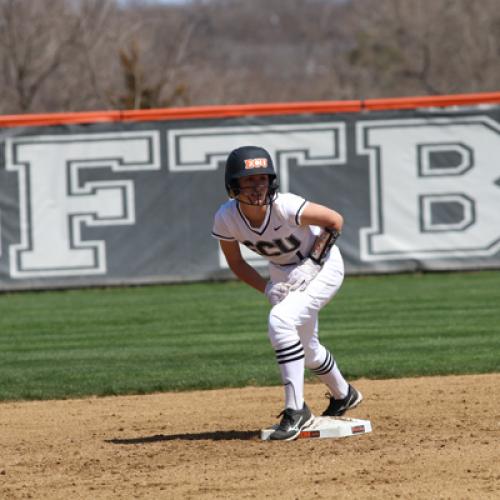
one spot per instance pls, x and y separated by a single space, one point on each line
432 438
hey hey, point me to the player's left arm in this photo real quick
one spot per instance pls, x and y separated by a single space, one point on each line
319 215
332 222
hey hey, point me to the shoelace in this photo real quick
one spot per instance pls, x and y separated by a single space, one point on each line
286 417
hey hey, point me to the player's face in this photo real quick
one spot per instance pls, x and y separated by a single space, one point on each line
254 189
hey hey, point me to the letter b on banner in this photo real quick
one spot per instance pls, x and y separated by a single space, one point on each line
433 187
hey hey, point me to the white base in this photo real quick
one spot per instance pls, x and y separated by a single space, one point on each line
327 427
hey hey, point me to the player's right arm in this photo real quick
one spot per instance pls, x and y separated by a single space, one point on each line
240 267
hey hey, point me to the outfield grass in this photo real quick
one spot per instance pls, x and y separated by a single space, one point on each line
144 339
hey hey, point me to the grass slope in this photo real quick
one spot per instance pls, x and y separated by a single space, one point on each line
143 339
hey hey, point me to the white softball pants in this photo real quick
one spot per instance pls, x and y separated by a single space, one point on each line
296 317
293 327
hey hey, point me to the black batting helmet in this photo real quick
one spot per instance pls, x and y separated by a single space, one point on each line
249 160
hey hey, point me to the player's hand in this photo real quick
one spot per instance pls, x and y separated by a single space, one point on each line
276 292
302 275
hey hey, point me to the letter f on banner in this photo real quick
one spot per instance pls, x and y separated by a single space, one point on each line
434 188
56 202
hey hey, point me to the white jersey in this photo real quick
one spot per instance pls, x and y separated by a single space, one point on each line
280 239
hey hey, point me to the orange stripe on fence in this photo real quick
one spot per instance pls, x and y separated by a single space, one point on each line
188 113
59 118
293 108
431 101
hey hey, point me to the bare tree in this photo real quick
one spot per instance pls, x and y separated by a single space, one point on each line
35 40
63 55
156 55
424 47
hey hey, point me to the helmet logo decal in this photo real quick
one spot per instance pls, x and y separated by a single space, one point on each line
255 163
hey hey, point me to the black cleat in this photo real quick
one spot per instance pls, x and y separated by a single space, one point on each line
292 423
338 407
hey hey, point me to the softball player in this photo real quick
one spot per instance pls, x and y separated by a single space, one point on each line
305 274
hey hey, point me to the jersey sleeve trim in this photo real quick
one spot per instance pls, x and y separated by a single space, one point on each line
221 237
299 213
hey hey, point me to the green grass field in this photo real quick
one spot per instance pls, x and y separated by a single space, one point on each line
143 339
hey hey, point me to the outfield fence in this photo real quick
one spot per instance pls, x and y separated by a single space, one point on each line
128 197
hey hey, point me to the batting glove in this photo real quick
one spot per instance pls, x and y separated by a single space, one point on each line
276 292
302 275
